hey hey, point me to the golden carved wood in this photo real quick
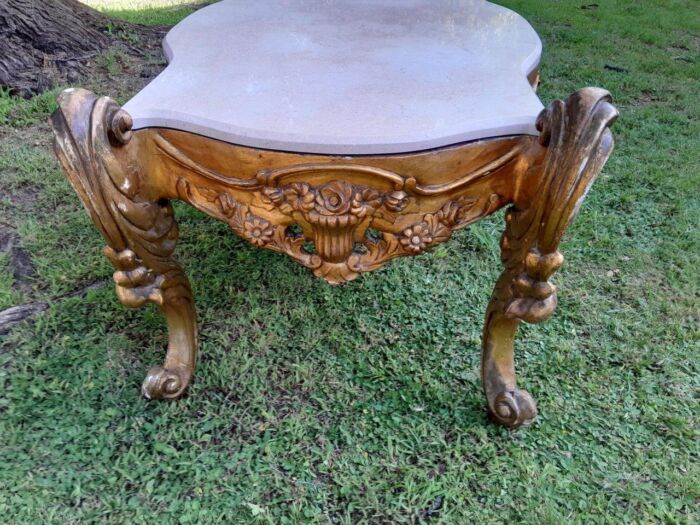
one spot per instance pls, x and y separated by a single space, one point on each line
337 215
415 200
578 142
92 139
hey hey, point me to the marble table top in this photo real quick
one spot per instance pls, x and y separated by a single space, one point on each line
346 76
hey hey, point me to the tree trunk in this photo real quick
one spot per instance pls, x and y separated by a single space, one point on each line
46 40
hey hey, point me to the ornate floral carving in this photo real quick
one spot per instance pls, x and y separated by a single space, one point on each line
337 215
335 202
335 198
247 224
433 229
295 197
333 211
258 231
416 238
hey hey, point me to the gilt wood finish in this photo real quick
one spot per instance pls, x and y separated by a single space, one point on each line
358 211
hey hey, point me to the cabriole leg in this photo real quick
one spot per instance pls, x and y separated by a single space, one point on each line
578 141
95 147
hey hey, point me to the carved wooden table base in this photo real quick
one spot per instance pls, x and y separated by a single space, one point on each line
339 216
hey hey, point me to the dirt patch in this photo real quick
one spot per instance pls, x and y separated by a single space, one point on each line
646 97
120 76
48 43
37 135
20 261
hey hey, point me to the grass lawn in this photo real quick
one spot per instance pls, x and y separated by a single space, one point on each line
362 403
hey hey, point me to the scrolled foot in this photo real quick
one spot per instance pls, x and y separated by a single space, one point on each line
165 383
513 408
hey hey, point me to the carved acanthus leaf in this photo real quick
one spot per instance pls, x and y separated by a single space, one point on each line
140 234
578 143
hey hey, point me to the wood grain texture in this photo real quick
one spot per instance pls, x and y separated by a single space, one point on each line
337 215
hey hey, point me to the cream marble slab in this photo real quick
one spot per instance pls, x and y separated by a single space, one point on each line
346 76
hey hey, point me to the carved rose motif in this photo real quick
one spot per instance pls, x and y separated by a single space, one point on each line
257 230
334 198
416 238
299 196
396 200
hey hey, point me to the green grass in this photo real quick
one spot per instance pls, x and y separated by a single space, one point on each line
19 113
362 403
148 12
8 295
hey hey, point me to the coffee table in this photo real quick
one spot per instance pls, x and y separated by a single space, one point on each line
342 133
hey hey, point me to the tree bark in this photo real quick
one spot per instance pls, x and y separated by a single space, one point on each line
46 40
